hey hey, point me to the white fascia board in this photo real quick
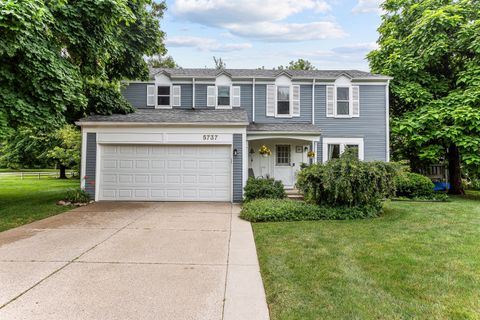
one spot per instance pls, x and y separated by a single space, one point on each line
159 124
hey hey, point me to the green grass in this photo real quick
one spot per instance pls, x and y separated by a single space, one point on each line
24 201
27 170
417 261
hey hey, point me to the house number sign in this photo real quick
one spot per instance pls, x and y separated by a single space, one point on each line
210 137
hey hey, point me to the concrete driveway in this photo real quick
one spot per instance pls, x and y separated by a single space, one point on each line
133 261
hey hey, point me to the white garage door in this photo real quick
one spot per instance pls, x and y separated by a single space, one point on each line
165 173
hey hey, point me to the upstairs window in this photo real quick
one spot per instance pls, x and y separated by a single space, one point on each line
283 100
163 96
223 95
343 101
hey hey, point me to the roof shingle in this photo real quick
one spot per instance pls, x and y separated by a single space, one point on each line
234 116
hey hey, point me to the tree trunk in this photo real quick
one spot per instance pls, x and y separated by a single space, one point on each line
454 171
63 174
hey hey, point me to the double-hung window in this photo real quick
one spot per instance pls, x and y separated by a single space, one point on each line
283 100
163 96
334 147
343 101
223 96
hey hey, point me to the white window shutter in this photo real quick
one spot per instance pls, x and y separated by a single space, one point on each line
271 101
150 95
330 101
236 96
296 101
211 96
176 96
355 101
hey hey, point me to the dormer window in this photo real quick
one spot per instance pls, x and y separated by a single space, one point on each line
343 101
163 96
283 100
223 96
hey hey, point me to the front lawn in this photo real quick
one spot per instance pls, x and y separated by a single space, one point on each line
417 261
24 201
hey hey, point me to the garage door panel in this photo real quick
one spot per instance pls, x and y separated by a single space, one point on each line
166 173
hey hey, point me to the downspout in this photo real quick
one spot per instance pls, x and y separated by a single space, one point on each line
313 101
253 100
193 93
387 120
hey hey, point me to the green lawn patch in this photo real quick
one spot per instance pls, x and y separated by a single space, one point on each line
416 261
30 199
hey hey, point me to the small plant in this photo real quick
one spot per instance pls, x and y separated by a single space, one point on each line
265 151
263 188
311 154
77 196
413 185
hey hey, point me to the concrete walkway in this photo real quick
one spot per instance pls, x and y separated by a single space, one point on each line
133 261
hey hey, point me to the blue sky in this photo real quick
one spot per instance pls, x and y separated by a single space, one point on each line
332 34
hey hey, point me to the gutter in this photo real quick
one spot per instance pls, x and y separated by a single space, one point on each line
157 124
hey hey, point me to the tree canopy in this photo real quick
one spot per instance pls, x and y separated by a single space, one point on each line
432 50
58 59
299 64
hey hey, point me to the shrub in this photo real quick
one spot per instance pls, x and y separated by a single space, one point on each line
263 210
77 196
348 182
413 185
261 188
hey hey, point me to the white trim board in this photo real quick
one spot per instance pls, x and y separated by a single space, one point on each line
342 142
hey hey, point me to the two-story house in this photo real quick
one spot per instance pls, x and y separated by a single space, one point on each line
196 133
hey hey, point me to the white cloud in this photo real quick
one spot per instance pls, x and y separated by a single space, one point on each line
205 44
271 31
356 48
368 6
219 12
260 19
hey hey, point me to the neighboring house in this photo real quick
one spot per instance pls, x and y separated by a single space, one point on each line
196 133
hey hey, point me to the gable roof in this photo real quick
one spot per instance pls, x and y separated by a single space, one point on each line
266 73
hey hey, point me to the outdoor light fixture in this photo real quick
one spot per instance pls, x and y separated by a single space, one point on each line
251 151
306 149
235 152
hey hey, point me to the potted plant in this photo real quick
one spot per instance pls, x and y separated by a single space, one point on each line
265 151
311 154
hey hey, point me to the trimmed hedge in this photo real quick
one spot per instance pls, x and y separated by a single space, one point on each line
263 210
413 185
263 188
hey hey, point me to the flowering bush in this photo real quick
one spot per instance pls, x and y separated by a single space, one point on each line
264 150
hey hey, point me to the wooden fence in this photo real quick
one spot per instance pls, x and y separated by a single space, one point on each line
24 174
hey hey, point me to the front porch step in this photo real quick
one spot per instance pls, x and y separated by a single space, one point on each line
294 194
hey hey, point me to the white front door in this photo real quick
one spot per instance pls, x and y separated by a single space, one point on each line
284 168
165 173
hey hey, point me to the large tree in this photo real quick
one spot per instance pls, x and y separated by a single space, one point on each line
432 50
59 58
299 64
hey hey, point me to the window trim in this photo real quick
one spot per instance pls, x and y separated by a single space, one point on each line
342 142
289 155
350 102
229 106
289 115
163 106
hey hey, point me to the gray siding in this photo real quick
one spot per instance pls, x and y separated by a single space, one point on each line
371 125
305 106
91 164
238 168
186 98
201 95
136 94
246 101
